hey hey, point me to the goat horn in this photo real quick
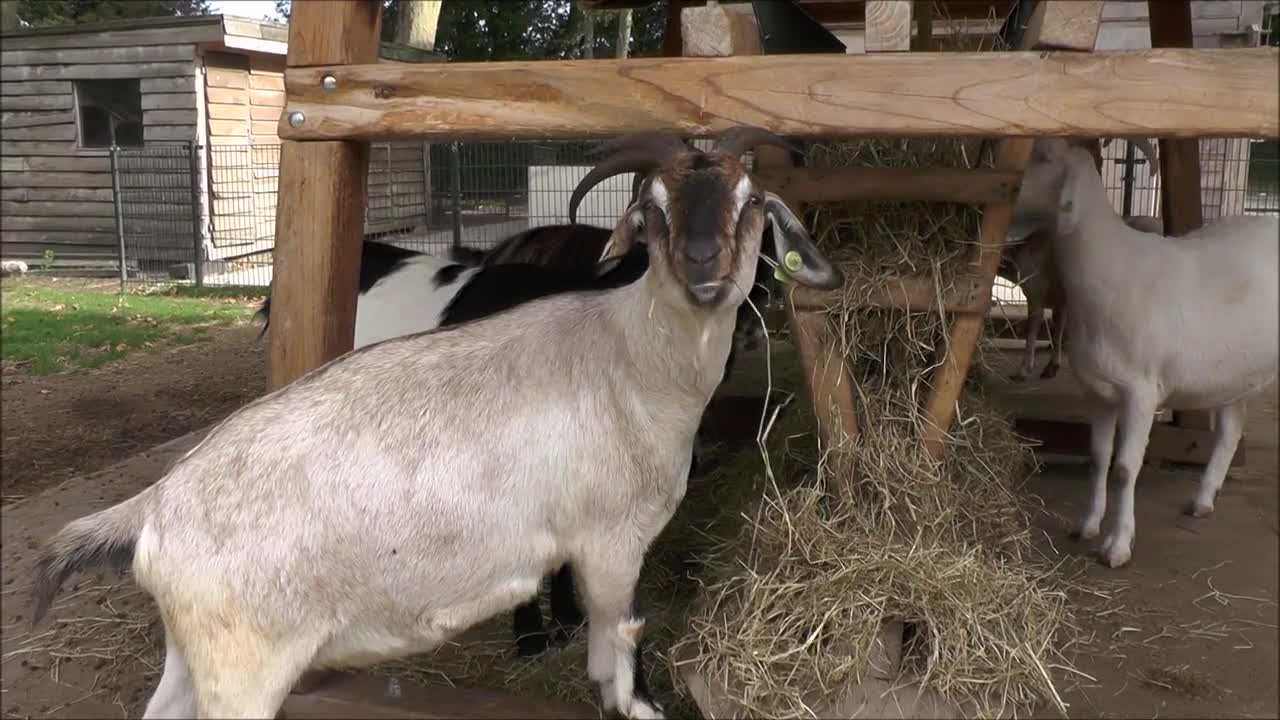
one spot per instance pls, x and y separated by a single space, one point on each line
737 140
639 153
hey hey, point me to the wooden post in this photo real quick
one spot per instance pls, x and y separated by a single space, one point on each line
321 208
888 26
1068 25
1180 202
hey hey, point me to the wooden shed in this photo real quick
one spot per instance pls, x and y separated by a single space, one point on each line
192 104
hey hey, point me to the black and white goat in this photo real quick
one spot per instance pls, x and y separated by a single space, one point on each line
393 498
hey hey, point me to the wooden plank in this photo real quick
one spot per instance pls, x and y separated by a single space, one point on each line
265 113
85 56
169 117
821 185
1168 93
226 96
63 222
226 78
38 102
55 194
94 72
266 81
42 87
28 147
116 38
169 133
57 237
1168 442
888 26
10 208
715 31
272 98
57 179
38 118
266 129
947 381
45 132
169 101
916 294
168 84
1070 26
225 111
86 163
104 250
321 207
234 128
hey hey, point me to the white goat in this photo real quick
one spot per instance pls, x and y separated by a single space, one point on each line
1028 263
396 496
1183 323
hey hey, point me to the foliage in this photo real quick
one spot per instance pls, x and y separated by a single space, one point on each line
47 13
478 30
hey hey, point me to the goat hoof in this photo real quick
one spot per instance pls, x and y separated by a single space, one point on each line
531 645
1050 371
1198 509
1115 554
1083 532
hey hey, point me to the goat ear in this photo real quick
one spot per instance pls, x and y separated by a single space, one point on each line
794 250
625 235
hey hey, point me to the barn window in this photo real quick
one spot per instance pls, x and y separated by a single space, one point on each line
110 113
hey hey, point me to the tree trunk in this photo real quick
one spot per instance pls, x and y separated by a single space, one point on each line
624 34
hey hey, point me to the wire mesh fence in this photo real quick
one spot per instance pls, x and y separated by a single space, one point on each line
206 215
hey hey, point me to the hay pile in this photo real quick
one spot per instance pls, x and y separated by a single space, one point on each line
795 601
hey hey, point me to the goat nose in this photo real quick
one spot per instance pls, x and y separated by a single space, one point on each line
701 254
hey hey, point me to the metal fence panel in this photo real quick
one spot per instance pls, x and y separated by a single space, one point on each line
177 203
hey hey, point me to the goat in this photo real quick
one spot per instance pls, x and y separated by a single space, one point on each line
534 263
1156 322
353 516
1028 263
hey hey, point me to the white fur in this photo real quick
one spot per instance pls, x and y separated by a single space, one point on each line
13 266
1183 323
406 301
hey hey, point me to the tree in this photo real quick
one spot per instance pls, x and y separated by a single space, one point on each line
478 30
46 13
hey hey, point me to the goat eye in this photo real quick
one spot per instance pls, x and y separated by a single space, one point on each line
754 199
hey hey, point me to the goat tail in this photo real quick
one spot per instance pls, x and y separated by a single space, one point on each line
264 316
105 537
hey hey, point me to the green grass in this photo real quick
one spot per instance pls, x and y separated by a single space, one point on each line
51 327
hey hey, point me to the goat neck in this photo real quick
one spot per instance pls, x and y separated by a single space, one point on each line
672 342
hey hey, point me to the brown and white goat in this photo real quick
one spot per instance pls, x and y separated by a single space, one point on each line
389 500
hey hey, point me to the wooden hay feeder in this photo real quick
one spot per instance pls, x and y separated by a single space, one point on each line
339 97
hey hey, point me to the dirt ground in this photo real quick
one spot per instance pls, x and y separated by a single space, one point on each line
1188 629
59 426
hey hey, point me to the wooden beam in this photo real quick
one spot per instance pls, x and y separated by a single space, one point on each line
958 185
321 208
1169 93
1067 26
914 294
888 26
966 329
714 31
1180 200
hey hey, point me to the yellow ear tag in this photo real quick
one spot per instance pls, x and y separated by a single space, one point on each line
792 261
780 274
1066 206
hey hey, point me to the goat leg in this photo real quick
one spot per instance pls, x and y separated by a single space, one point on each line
564 604
1230 421
531 635
1057 335
1137 412
1035 318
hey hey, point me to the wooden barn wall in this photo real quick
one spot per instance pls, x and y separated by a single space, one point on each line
245 96
56 195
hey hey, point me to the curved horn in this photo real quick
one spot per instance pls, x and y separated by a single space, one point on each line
639 152
735 141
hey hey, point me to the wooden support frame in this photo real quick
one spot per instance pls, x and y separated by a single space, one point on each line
321 210
901 94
